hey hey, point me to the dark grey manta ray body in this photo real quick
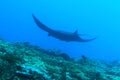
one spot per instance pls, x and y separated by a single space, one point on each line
65 36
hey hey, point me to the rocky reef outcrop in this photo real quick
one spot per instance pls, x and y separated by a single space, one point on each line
22 61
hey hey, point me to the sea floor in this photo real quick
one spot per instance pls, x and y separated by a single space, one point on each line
22 61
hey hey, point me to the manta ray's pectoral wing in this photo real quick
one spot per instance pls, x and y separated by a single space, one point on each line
60 34
41 25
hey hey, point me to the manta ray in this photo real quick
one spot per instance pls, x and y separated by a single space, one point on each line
61 35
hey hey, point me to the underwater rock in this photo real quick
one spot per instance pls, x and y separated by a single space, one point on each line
65 56
22 61
31 73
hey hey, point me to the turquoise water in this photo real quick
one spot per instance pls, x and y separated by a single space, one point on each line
98 18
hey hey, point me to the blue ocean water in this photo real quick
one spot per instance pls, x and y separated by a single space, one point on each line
95 17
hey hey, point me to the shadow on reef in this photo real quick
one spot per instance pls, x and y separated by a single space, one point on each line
22 61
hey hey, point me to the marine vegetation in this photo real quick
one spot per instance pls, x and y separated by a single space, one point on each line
23 61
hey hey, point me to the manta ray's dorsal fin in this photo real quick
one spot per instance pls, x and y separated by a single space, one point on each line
76 32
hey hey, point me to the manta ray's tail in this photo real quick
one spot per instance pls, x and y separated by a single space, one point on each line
40 25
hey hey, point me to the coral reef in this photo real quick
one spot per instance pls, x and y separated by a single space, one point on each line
22 61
